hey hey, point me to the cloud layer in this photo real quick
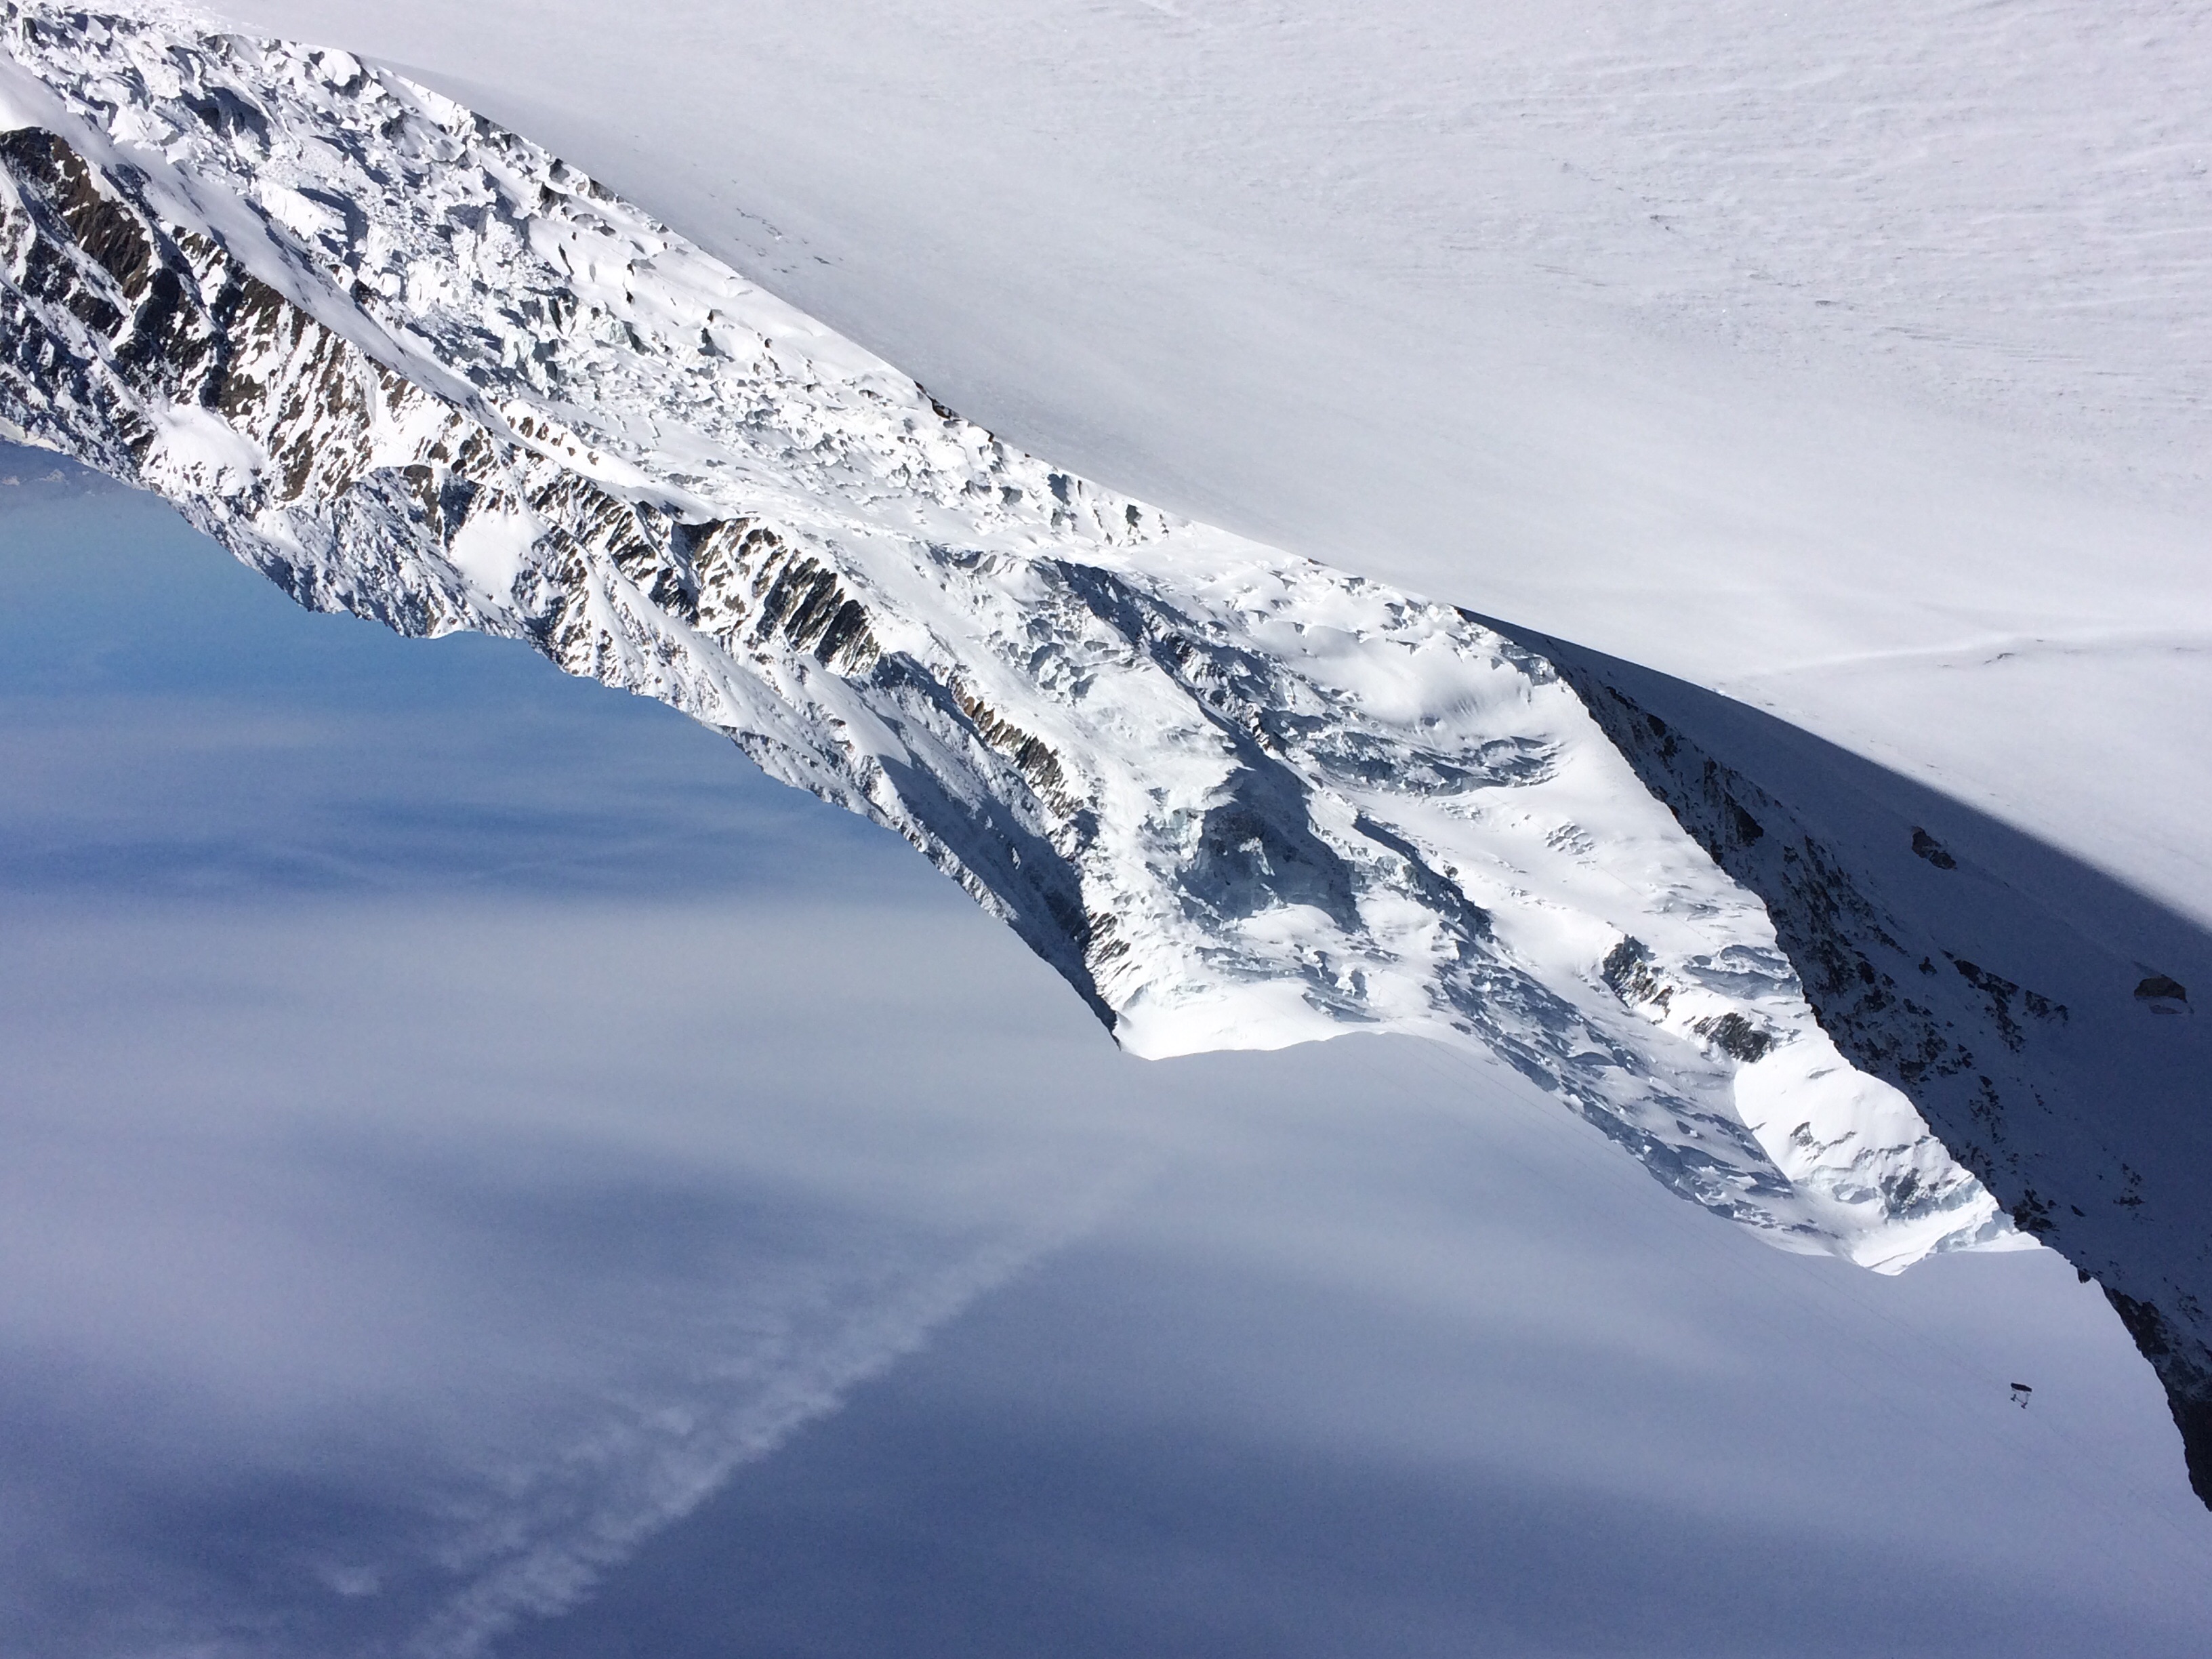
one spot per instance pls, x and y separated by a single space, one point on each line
460 1122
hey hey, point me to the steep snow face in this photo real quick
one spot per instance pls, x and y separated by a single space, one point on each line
2024 1001
415 368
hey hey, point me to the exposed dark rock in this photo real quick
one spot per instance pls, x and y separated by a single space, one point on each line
1627 969
1932 849
1733 1034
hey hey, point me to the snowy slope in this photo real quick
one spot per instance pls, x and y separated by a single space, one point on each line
1605 318
413 366
2037 1012
1238 798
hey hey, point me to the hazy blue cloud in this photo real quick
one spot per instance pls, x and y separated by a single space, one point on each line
176 726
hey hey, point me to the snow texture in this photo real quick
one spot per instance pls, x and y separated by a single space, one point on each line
413 366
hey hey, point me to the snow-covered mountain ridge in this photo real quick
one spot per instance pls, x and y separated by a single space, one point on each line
414 368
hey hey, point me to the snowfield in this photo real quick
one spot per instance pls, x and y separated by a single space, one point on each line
1239 800
1784 425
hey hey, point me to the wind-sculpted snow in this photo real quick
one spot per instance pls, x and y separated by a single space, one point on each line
412 367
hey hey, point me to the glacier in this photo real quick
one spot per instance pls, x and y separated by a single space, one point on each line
415 368
1949 963
412 367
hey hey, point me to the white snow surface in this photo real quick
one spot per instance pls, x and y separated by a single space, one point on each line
1241 798
1846 359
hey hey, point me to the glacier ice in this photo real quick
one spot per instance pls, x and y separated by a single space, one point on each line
413 366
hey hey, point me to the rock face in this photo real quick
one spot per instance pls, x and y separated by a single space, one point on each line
2166 994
